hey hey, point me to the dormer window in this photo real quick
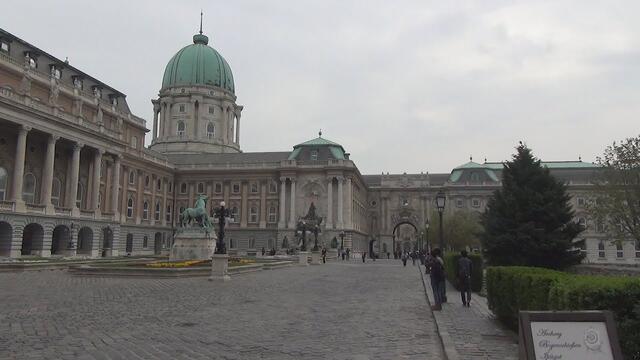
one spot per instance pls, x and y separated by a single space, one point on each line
56 72
4 46
314 155
77 82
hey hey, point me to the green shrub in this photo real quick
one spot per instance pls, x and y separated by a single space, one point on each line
511 289
451 265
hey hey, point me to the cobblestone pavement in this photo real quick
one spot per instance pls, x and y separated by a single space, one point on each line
472 333
335 311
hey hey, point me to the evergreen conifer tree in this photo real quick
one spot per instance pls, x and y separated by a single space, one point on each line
529 222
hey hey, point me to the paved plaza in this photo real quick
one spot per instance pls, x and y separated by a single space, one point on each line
341 310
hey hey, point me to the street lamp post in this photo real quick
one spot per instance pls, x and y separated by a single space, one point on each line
341 240
420 241
426 234
440 203
222 213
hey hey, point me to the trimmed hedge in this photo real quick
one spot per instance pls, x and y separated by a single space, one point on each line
511 289
451 265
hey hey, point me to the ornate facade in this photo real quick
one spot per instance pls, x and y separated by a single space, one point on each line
77 180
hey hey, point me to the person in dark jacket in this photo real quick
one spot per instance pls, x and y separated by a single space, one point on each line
324 255
364 257
465 268
437 278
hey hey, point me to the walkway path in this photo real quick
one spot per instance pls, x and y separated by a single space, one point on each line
341 310
471 333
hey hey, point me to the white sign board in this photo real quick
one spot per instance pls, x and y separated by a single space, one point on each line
570 340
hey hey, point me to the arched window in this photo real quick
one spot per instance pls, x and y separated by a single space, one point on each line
157 212
253 214
29 189
130 207
170 186
210 130
147 181
132 177
145 242
159 185
145 210
168 216
252 243
200 188
79 195
183 188
4 175
181 128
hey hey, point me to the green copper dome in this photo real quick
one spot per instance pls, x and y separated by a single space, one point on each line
198 64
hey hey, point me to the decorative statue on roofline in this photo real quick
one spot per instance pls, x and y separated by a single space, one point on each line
196 216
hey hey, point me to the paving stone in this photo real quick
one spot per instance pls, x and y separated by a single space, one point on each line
334 311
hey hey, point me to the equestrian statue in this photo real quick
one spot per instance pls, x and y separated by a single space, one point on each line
197 214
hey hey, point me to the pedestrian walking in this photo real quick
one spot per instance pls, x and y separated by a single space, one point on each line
413 257
324 255
364 257
404 259
465 268
437 279
388 255
344 254
348 253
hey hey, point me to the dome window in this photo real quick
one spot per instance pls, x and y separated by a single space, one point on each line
181 128
210 130
314 155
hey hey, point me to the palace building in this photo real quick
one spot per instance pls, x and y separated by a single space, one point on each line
77 180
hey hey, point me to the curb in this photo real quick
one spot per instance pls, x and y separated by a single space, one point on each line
448 344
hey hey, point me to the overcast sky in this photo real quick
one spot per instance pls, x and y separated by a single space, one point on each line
403 85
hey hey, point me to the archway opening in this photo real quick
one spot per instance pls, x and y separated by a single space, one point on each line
32 237
85 241
6 235
60 239
157 244
405 238
107 241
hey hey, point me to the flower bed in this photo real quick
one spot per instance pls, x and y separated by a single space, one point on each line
233 261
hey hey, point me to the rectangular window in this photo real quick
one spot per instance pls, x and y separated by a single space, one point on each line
601 252
619 250
273 214
253 214
475 203
183 188
236 188
4 46
218 188
459 203
182 107
254 188
273 188
314 155
637 249
211 110
168 216
200 188
581 202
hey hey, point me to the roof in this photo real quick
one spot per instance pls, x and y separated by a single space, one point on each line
579 164
337 151
198 64
233 158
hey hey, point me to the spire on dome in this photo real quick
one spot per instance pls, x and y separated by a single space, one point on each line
201 21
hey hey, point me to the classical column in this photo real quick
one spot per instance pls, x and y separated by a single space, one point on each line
292 214
163 211
152 206
73 179
238 129
225 126
166 123
349 208
115 185
283 194
155 121
18 169
95 187
263 204
47 174
244 211
340 203
124 193
330 202
139 196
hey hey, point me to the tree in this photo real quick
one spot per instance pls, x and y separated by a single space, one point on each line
461 229
617 191
529 221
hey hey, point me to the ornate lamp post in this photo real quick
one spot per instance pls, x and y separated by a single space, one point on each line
341 240
420 240
440 203
426 234
222 213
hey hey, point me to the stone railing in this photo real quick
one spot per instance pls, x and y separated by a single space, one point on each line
241 165
6 205
36 208
63 211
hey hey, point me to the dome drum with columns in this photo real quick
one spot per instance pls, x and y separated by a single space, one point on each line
196 111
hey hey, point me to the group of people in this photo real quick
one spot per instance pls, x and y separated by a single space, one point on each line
434 265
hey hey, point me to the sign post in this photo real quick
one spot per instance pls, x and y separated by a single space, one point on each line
568 335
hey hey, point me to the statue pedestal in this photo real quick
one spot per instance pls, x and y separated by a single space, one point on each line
316 258
302 258
219 267
192 244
